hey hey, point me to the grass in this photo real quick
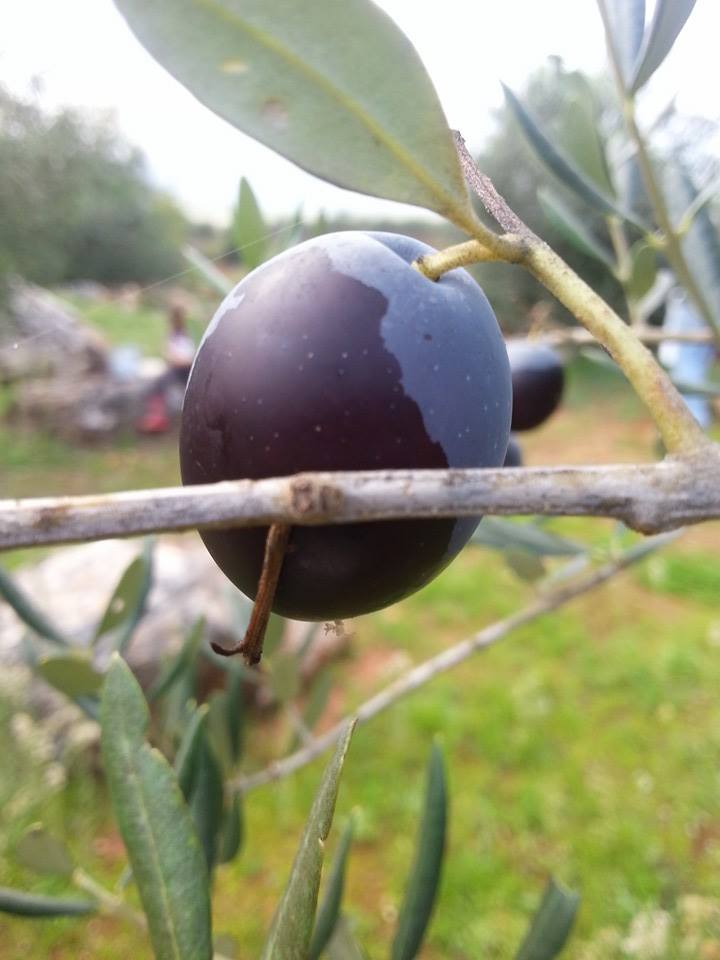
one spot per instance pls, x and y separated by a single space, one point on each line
586 745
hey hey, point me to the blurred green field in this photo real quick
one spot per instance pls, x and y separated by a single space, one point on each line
586 745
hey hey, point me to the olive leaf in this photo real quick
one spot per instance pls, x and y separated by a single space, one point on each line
163 848
424 879
39 851
551 925
292 925
249 228
563 167
27 611
336 88
644 270
127 603
572 227
627 27
72 674
329 911
23 904
668 20
701 243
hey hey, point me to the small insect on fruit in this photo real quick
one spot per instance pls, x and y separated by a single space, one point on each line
339 355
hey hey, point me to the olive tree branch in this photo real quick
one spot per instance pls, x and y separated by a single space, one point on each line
678 428
419 675
649 498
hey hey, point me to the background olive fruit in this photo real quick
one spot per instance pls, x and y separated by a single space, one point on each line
339 355
537 383
513 456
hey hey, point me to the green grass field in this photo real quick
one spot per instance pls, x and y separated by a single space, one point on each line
586 745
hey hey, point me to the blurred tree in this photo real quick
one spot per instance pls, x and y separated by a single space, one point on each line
77 203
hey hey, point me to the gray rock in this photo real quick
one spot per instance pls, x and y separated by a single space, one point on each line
40 335
73 585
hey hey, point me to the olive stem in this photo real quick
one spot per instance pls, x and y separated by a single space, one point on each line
461 255
678 429
251 645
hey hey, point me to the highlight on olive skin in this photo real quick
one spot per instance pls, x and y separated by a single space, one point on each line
339 355
538 380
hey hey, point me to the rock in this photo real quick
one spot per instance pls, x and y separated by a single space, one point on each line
42 336
73 585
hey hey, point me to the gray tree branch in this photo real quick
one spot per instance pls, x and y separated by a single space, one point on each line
649 498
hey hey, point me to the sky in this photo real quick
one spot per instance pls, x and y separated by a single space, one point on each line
84 55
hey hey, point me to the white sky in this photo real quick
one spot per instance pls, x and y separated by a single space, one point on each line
86 56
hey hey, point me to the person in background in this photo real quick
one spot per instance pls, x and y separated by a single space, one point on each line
179 354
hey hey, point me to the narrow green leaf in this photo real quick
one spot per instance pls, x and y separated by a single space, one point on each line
500 534
527 566
249 228
217 730
292 925
644 270
627 19
562 167
127 603
182 665
39 851
35 905
72 674
424 878
284 676
579 128
709 192
335 87
163 848
701 244
232 830
668 20
200 779
551 925
630 185
27 611
330 907
566 222
189 748
235 713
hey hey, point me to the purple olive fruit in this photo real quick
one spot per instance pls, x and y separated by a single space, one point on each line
537 383
339 355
